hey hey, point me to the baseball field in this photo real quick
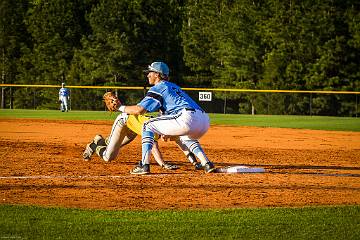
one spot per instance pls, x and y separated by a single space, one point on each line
310 188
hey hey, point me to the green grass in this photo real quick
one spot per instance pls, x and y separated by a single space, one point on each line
288 121
54 114
27 222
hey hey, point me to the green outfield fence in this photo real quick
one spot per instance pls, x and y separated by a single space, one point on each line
212 100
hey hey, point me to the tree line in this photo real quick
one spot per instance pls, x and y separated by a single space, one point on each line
266 44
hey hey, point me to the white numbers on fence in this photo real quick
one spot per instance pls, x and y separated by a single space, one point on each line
205 96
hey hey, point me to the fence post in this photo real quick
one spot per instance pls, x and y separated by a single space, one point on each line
145 91
11 98
70 99
310 106
225 104
34 99
356 105
3 97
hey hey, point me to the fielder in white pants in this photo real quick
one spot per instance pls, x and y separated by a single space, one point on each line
181 116
64 95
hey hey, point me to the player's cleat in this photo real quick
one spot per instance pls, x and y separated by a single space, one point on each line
91 147
198 166
87 152
100 152
99 140
169 166
141 169
209 167
192 159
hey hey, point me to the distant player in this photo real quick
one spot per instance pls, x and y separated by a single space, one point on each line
64 96
181 116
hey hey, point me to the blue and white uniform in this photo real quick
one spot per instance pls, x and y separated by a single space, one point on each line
181 116
64 95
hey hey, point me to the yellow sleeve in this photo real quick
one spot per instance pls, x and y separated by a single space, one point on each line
135 124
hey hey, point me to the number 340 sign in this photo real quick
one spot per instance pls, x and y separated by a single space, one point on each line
205 96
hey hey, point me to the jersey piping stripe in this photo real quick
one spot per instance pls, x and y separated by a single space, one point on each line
156 96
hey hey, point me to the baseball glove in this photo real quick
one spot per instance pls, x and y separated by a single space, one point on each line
111 101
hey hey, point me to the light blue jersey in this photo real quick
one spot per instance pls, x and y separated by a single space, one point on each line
64 92
181 117
168 98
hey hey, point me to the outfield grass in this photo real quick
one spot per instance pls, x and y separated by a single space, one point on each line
54 114
304 122
26 222
289 121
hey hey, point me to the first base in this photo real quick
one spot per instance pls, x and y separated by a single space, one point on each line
240 169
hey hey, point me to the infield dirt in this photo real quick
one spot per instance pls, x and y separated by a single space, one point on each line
41 164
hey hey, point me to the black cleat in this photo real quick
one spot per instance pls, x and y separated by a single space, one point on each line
209 167
141 169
